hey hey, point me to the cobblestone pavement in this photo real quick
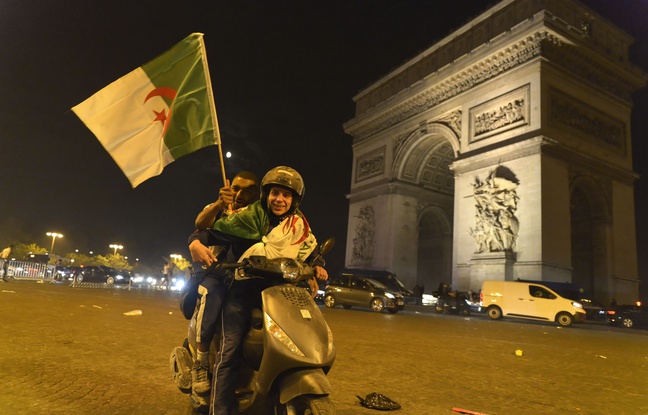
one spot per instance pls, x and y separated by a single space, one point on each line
73 351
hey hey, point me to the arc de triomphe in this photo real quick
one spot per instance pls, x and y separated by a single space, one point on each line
502 152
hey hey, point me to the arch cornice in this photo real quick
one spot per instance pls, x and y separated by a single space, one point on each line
385 188
544 42
392 111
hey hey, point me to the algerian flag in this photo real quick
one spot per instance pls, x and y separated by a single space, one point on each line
157 113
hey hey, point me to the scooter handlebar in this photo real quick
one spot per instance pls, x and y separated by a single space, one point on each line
231 265
284 268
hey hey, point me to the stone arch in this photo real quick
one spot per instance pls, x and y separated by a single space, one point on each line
590 220
434 259
424 157
512 97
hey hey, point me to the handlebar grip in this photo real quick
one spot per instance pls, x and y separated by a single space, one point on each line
233 265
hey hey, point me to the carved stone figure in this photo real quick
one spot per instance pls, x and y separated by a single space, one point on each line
363 242
496 200
497 118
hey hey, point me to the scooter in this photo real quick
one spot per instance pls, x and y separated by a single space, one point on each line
453 302
287 352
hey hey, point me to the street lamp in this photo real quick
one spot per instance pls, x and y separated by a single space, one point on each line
54 235
116 247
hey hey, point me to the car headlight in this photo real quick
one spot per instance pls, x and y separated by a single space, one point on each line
577 305
389 295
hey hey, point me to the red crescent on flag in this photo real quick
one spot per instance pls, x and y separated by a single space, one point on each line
166 92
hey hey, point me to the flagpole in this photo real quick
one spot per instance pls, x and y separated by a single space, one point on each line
220 154
220 149
213 108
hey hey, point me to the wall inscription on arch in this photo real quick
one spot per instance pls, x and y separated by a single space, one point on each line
500 114
371 164
587 122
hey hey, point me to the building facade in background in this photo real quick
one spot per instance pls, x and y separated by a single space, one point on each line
502 152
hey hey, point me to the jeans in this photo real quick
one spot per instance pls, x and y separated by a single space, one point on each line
244 296
212 292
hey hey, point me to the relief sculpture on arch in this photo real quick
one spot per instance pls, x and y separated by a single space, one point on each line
496 201
363 241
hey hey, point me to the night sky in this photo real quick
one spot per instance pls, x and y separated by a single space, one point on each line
284 74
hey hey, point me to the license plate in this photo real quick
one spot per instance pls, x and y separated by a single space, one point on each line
400 302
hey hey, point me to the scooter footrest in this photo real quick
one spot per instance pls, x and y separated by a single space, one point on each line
244 391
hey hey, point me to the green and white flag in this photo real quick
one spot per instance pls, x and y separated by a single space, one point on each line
157 113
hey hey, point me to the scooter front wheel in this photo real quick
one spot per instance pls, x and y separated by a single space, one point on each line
309 405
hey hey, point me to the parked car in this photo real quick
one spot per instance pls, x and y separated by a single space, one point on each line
349 291
628 316
73 272
319 297
529 301
572 291
388 279
103 274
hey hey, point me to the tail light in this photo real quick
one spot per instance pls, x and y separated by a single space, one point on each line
610 312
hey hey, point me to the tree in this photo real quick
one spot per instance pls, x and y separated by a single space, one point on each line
114 261
21 251
181 263
77 259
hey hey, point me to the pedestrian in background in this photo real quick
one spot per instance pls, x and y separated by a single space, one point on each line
167 271
5 256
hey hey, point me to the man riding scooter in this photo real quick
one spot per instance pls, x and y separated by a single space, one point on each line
212 290
277 222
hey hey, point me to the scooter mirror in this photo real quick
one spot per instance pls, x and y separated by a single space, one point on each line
327 246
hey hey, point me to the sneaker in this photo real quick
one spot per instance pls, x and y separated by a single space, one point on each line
200 383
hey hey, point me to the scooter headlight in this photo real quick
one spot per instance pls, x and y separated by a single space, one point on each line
276 331
290 269
330 341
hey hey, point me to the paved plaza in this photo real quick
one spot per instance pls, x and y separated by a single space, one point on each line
73 351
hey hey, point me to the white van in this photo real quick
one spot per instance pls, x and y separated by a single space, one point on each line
530 301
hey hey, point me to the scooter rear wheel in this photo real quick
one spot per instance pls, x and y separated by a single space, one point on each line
309 405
